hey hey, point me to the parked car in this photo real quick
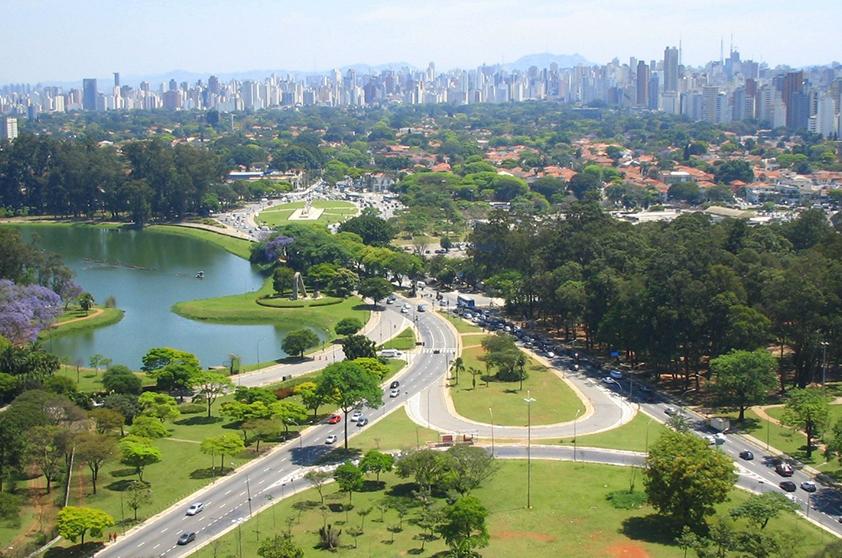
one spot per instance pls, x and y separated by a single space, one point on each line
195 508
747 455
788 486
334 419
616 374
187 537
330 439
808 486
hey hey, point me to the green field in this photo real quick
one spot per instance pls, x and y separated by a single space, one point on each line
334 212
92 320
403 341
554 401
632 436
237 246
580 523
395 431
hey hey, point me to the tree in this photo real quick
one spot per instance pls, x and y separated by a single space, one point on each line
139 494
349 478
279 546
467 467
298 341
684 478
282 279
178 378
119 379
222 445
350 386
375 288
210 386
427 467
373 366
13 445
73 522
138 453
158 405
582 182
148 427
160 357
744 378
95 449
86 302
458 366
95 361
808 409
318 479
372 229
311 397
358 346
46 450
730 171
25 311
107 420
128 406
463 527
376 462
288 412
348 326
760 508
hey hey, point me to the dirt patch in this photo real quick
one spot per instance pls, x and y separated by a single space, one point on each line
512 535
620 550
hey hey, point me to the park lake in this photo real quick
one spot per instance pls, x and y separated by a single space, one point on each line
147 272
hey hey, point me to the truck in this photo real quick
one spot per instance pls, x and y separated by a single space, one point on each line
719 424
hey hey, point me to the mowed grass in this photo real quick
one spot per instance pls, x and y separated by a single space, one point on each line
393 432
554 401
334 212
632 436
88 380
570 516
83 322
237 246
243 308
403 341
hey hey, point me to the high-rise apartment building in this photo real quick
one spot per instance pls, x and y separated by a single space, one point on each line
89 94
671 69
643 91
8 127
792 85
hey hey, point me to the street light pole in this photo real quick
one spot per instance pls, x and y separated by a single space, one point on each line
492 431
529 400
248 488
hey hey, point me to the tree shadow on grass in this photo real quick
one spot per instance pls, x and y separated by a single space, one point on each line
75 551
404 489
120 473
192 421
747 425
121 485
372 486
206 473
651 528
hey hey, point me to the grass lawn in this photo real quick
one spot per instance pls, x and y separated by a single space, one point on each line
555 401
89 380
582 523
396 431
334 212
237 246
243 308
631 436
83 322
404 341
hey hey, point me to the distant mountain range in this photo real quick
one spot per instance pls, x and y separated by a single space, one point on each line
524 63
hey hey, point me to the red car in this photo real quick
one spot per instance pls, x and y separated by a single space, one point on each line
334 419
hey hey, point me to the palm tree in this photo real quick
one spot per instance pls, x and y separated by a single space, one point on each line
474 372
458 366
86 301
521 365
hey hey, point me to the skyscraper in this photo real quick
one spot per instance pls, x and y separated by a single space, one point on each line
89 93
643 84
8 127
671 69
116 79
792 85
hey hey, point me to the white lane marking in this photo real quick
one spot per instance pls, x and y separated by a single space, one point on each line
156 546
267 469
141 544
165 530
229 492
262 481
241 493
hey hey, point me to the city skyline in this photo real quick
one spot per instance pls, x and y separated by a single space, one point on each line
95 38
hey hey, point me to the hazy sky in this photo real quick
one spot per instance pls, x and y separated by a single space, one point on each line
70 39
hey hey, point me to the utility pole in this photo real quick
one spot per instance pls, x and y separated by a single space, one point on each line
529 400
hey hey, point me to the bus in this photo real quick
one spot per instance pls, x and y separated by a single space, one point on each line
463 301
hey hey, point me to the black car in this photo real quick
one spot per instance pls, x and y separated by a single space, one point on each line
788 486
747 455
190 536
395 385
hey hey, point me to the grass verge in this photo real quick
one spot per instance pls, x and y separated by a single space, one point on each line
404 341
76 321
237 246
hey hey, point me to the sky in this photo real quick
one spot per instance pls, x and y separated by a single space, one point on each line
67 40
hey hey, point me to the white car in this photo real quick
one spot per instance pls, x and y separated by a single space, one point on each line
330 439
394 393
404 310
195 508
355 416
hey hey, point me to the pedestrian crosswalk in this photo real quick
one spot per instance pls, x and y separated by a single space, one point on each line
437 351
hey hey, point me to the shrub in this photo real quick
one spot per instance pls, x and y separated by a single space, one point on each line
284 392
627 500
192 408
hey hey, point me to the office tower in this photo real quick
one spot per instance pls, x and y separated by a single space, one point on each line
793 84
116 79
654 85
709 103
671 69
89 93
643 91
8 128
213 85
